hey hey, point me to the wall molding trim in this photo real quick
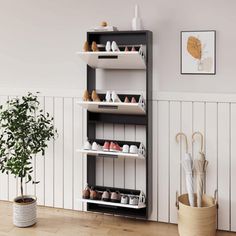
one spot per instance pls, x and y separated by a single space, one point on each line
194 97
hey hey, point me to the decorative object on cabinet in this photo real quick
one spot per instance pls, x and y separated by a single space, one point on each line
104 27
116 108
136 21
198 52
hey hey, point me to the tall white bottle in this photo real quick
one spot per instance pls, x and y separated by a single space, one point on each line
136 22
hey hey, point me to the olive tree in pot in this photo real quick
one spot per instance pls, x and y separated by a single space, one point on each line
24 132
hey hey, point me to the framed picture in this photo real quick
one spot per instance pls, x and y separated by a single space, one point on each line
198 52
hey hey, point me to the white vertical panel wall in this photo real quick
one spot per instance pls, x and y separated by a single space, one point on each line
62 170
217 121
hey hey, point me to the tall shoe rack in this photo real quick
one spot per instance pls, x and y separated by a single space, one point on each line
119 113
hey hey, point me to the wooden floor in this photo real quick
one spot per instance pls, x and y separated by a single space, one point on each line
70 223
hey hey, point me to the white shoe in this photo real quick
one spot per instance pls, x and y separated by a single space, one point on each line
115 97
108 96
95 146
114 47
87 145
108 46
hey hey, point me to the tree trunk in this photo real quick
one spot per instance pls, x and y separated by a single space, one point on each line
21 188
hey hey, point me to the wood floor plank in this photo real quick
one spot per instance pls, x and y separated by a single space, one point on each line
54 221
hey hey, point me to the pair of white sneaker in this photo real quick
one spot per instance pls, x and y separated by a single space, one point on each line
112 46
95 146
112 97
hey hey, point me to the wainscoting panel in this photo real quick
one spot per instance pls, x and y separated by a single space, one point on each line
217 121
62 170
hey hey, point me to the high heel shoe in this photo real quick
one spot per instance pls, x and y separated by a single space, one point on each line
95 97
94 47
86 97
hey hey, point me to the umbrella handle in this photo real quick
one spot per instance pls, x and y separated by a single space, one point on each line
216 199
202 139
185 137
177 200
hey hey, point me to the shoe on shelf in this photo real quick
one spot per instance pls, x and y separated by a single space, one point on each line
126 49
114 147
87 145
114 47
94 47
125 148
108 96
96 147
133 149
133 200
115 197
133 100
93 194
133 49
99 195
86 192
86 97
115 97
106 196
108 46
86 47
126 100
95 97
124 199
106 146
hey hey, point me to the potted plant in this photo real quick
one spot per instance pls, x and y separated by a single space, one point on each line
24 132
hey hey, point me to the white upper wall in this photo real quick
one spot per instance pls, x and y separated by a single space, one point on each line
38 40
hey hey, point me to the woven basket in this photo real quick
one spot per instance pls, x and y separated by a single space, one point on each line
24 214
194 221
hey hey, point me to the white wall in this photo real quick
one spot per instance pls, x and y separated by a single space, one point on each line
38 40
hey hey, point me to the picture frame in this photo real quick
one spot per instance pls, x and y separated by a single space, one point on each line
198 52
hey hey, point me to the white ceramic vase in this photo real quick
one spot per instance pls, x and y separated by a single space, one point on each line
24 214
136 22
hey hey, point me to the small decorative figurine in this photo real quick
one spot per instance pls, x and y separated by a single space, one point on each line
104 24
94 47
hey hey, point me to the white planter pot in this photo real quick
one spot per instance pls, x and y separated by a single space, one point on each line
24 214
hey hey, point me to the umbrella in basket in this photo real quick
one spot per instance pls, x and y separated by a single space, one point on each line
187 164
200 165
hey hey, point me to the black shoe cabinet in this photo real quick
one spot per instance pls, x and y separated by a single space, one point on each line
121 38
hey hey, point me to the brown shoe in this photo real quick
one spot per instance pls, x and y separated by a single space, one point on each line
86 47
95 97
86 97
86 192
93 194
94 47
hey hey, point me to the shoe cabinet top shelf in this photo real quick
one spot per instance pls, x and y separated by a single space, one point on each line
114 60
114 107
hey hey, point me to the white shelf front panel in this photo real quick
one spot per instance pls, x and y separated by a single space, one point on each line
111 154
113 60
114 107
141 205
